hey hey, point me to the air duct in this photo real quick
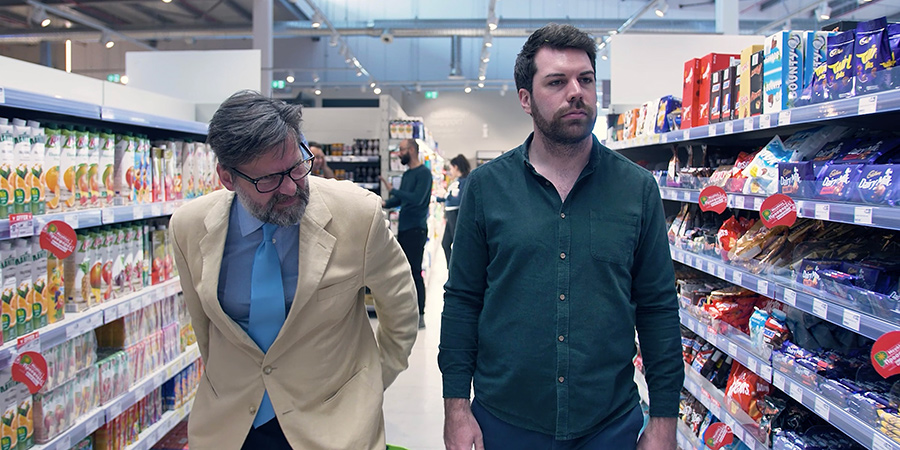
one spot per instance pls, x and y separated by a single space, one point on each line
455 58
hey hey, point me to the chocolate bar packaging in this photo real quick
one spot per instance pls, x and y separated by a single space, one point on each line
735 91
667 105
727 103
839 75
836 181
878 184
743 98
844 25
893 31
783 70
756 83
708 65
868 151
715 97
872 57
796 178
690 100
815 53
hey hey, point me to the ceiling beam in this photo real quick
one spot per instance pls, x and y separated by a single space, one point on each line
240 10
195 12
294 9
153 14
14 18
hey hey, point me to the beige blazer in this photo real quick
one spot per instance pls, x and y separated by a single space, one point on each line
327 370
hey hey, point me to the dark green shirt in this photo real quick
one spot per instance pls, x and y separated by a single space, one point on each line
544 296
413 198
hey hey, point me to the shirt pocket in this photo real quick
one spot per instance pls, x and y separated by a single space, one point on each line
336 289
613 237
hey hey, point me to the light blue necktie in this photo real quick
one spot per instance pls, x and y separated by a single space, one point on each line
266 306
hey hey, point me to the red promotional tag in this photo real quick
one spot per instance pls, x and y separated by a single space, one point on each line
717 436
778 209
713 198
30 369
886 354
58 238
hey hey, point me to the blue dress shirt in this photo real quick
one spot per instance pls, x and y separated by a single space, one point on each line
244 236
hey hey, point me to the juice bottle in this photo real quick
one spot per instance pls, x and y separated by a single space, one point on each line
158 183
7 169
98 251
147 170
68 164
147 256
56 298
8 285
139 170
107 167
52 151
124 175
174 166
157 268
93 173
22 176
127 258
82 159
25 430
187 169
118 261
76 275
38 180
106 285
137 252
200 168
9 420
40 305
25 298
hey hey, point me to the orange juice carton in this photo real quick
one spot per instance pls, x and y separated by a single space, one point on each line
68 165
9 421
98 252
106 170
52 152
8 273
117 273
82 159
109 249
56 298
7 169
77 275
93 174
22 179
38 180
24 294
158 185
40 307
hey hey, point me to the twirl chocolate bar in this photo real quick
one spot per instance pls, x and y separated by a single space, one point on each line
839 76
872 57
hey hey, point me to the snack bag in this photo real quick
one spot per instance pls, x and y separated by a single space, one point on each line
762 172
839 76
729 233
893 32
872 57
747 389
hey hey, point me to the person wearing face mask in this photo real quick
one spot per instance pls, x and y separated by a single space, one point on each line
273 270
413 198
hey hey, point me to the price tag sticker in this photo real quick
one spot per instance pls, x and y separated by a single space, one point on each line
748 124
784 118
71 219
737 277
868 105
751 364
862 215
765 121
686 195
73 331
766 372
92 424
851 320
713 339
757 203
65 442
729 421
879 442
720 272
714 408
820 308
137 212
710 267
823 211
686 135
664 138
108 215
114 410
778 380
796 392
21 225
822 408
790 297
762 286
712 130
729 127
732 349
156 210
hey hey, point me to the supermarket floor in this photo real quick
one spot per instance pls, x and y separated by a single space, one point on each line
413 407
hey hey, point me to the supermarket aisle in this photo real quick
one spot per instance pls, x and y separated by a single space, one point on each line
413 407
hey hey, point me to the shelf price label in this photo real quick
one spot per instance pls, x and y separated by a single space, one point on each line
664 138
729 127
778 380
867 105
737 277
820 308
765 121
108 215
862 215
748 124
686 195
796 392
71 219
156 210
823 211
879 442
766 372
712 130
732 349
790 297
784 118
720 272
851 320
822 408
92 424
762 286
137 212
751 364
21 225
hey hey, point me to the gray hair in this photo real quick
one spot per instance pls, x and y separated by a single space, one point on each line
248 124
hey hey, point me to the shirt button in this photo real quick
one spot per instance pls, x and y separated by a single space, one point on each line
267 370
562 256
273 240
562 297
562 379
252 410
561 338
546 183
563 215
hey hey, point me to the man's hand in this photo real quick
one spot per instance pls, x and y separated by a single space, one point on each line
659 434
461 430
384 182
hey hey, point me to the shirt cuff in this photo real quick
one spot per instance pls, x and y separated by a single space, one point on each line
664 404
457 386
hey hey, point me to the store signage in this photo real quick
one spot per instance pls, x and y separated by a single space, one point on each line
21 225
113 78
717 436
58 238
778 209
713 198
30 367
431 94
277 84
886 354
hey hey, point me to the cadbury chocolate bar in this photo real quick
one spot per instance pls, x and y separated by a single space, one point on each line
877 183
839 76
872 57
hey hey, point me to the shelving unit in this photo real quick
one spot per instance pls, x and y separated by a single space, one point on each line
100 416
735 345
686 439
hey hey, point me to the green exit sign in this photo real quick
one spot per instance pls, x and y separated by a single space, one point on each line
113 78
277 84
431 94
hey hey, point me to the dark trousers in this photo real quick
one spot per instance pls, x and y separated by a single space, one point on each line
269 436
413 244
498 435
449 229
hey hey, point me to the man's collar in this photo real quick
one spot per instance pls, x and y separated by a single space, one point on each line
247 221
592 162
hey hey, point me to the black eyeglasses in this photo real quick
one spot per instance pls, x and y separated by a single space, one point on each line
269 183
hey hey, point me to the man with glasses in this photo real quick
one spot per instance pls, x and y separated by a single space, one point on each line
273 271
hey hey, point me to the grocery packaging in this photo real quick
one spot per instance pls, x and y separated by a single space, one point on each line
23 180
40 306
710 64
52 154
95 145
83 160
7 169
872 57
68 165
8 273
690 100
783 70
38 179
744 70
107 183
25 295
839 76
124 169
715 96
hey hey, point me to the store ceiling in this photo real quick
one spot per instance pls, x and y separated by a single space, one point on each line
155 24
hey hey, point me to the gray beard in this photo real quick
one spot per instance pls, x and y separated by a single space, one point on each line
268 214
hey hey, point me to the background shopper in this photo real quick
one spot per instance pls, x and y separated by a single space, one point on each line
459 170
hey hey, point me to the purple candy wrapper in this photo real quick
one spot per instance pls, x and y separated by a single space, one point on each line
795 179
834 150
868 151
872 57
839 75
878 183
836 181
807 271
893 32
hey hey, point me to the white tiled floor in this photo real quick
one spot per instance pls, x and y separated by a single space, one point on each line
413 407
